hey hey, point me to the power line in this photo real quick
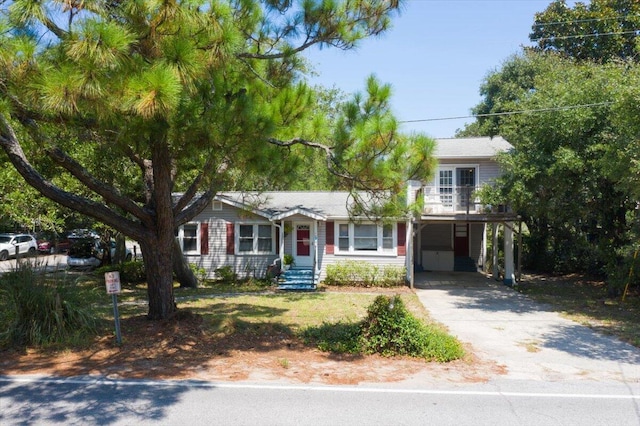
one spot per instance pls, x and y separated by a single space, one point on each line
585 35
578 21
496 114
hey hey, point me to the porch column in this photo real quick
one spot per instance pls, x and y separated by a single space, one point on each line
494 251
409 257
509 276
483 254
316 267
281 248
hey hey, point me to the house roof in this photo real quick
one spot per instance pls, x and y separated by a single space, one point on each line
319 205
480 147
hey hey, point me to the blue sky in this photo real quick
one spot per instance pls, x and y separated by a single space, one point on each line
435 57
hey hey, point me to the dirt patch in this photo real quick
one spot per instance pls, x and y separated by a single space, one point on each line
182 349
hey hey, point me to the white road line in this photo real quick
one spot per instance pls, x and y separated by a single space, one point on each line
198 384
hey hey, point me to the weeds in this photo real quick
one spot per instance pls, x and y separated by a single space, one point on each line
40 311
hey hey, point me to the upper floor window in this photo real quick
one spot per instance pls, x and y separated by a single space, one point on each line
255 238
365 238
456 184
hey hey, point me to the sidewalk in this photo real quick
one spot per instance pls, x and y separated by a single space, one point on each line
531 340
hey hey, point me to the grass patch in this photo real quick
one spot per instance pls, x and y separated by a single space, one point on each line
585 301
248 315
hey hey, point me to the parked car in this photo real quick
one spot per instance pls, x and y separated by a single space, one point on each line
89 253
54 243
10 244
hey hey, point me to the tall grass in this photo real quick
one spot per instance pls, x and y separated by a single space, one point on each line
39 310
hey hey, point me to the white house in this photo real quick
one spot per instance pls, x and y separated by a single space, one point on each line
248 231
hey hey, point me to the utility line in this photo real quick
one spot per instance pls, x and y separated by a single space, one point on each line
577 21
496 114
585 35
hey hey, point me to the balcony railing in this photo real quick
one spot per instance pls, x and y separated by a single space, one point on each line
452 199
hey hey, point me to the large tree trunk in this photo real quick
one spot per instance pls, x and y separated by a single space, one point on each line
158 266
181 269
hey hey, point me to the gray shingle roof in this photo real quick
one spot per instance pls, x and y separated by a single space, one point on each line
480 147
322 203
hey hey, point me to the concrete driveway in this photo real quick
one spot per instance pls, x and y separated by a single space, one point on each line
530 339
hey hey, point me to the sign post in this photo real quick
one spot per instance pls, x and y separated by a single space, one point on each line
112 281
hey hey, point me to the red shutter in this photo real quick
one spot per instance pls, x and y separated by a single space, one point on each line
231 245
330 238
204 238
402 239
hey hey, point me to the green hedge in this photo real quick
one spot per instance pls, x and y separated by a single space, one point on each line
364 274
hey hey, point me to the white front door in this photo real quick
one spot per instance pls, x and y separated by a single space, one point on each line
303 249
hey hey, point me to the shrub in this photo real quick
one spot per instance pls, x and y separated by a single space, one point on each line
390 330
199 272
130 272
364 274
226 274
36 312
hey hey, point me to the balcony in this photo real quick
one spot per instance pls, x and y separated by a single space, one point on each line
451 199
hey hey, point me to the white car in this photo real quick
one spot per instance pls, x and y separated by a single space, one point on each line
20 244
89 253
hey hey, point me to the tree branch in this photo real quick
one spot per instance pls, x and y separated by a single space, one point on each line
11 146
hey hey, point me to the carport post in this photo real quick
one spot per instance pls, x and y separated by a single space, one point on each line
509 276
494 250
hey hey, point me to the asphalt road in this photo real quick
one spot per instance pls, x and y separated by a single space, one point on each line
91 401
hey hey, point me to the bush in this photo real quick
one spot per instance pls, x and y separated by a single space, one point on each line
226 274
36 312
391 330
364 274
132 272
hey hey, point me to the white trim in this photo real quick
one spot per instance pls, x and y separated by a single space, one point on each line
380 251
302 260
180 238
255 237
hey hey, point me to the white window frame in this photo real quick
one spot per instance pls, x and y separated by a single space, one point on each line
451 199
181 238
380 250
255 237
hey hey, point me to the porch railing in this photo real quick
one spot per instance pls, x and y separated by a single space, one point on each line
451 199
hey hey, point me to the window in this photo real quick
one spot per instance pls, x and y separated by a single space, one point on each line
188 235
216 205
366 238
456 185
255 238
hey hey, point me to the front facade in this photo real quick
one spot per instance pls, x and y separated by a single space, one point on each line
452 230
246 232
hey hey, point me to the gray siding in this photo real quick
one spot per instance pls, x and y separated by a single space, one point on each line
244 265
256 265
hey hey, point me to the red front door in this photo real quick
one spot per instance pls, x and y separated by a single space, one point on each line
461 239
303 238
